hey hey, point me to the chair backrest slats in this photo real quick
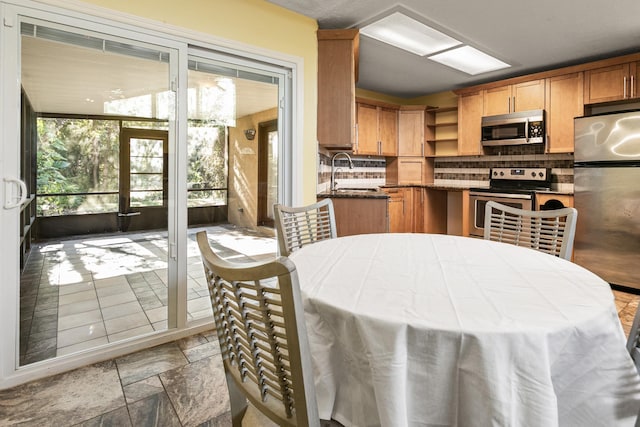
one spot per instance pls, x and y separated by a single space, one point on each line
300 226
550 231
260 325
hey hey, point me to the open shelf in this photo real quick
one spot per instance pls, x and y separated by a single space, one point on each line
441 131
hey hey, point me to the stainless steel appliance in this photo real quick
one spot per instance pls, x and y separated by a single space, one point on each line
510 186
607 196
523 127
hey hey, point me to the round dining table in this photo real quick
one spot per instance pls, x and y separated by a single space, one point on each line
438 330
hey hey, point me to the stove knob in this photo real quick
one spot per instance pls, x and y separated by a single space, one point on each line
540 174
533 174
495 173
501 173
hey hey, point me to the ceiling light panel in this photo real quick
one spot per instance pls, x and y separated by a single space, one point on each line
469 60
406 33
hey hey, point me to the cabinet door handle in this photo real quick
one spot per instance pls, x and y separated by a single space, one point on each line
514 104
422 149
509 104
624 87
633 89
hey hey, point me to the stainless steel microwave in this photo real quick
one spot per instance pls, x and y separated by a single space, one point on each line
523 127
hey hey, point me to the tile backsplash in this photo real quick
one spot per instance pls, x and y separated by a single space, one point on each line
473 171
454 171
367 172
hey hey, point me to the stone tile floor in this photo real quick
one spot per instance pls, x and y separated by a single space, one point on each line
176 384
85 292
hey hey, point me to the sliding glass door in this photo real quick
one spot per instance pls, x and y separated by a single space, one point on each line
227 102
117 147
97 269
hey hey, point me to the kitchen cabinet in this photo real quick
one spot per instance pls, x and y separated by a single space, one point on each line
360 215
411 127
564 103
400 209
418 209
516 97
613 83
409 171
470 108
377 133
337 76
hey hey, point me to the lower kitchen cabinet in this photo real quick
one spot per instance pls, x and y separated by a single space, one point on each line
400 209
360 215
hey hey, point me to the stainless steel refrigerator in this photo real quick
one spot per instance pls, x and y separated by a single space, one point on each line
607 196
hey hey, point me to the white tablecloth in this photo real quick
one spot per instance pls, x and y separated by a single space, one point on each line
434 330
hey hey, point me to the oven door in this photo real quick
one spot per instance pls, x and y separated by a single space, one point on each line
478 201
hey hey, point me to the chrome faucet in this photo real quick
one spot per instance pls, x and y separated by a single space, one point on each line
334 184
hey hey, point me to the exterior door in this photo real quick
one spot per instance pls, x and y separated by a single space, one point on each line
143 179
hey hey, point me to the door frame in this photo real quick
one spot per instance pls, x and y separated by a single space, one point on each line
263 171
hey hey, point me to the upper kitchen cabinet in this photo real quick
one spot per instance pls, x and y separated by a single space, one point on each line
516 97
377 129
564 103
337 76
411 127
613 83
469 123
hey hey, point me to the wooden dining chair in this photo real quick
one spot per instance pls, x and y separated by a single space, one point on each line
259 320
300 226
550 231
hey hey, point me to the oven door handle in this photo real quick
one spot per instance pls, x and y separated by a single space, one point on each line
501 195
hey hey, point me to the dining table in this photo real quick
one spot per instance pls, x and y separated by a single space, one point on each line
412 329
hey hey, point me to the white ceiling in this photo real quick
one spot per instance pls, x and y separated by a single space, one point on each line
63 78
530 35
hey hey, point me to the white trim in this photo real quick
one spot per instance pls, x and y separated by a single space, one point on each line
9 218
62 364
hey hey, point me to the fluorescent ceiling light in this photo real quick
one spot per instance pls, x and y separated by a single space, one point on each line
469 60
406 33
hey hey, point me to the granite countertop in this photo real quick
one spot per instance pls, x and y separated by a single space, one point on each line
363 193
379 193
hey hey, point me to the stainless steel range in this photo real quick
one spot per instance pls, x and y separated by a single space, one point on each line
510 186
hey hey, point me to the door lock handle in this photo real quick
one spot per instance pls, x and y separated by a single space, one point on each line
11 201
127 214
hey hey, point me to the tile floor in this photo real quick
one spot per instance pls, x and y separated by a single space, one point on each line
82 293
176 384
